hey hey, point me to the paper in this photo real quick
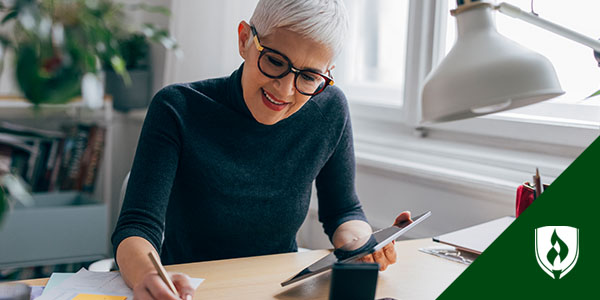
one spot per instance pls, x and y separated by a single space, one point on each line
55 280
450 253
100 283
476 238
98 297
36 291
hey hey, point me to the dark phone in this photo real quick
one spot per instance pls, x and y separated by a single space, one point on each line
353 281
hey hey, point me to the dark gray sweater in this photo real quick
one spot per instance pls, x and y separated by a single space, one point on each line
219 184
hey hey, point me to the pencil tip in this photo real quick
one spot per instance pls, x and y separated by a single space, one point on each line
537 172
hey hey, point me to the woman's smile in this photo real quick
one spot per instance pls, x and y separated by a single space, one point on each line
272 102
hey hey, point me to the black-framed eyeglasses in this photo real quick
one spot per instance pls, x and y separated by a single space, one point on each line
274 64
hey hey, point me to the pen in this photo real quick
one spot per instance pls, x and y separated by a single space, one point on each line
538 183
162 272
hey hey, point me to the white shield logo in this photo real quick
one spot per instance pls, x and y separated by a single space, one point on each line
557 249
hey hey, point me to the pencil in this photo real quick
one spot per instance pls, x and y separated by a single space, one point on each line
538 183
162 272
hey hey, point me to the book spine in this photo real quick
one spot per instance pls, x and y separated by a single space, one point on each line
91 172
31 162
52 181
38 182
65 157
43 182
74 163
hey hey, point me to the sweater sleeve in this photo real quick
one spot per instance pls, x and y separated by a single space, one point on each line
336 192
152 174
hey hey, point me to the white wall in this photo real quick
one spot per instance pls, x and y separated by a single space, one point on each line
207 34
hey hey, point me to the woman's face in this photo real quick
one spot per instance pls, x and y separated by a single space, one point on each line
272 100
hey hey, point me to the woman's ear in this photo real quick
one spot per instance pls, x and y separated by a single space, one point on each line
244 35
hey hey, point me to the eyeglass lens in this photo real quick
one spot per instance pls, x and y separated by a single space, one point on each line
275 65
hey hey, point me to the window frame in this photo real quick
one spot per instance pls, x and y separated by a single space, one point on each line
497 152
425 48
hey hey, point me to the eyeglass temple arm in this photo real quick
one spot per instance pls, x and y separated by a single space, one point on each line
257 44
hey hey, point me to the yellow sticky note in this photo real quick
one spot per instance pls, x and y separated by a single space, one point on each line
98 297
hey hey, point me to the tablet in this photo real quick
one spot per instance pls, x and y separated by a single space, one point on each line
357 249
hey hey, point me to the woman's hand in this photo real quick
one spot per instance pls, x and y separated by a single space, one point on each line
387 255
153 287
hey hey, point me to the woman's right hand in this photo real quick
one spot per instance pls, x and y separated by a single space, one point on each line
153 287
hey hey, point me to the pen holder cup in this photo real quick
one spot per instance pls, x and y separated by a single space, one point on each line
353 281
525 196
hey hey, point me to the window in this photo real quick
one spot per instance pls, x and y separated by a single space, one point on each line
577 70
421 34
492 149
371 68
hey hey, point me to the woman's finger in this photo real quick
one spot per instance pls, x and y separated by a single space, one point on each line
158 288
379 258
141 293
182 283
402 217
367 258
390 253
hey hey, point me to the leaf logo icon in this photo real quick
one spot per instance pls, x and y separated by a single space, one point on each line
562 252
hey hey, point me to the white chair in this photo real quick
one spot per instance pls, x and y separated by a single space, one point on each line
108 264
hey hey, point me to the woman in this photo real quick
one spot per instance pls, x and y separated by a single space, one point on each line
224 167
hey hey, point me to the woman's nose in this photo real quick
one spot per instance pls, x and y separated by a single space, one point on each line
285 85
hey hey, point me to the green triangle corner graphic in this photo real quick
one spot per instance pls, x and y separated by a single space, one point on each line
508 268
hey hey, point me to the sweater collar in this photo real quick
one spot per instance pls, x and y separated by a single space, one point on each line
236 94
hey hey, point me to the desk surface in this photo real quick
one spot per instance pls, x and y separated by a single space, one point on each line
416 275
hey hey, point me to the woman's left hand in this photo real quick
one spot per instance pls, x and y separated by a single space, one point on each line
387 255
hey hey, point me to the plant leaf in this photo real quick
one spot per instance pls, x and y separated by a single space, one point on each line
152 8
9 16
118 64
159 35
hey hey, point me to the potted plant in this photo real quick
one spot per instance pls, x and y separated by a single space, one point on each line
62 46
135 49
134 46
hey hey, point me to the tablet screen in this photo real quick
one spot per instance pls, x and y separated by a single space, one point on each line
358 248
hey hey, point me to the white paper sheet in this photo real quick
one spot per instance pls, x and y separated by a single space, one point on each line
476 238
55 280
103 283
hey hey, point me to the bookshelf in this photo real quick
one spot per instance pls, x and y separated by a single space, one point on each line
62 226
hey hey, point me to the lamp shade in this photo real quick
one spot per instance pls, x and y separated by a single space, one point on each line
485 72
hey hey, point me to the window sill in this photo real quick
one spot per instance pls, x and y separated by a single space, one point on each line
537 132
473 155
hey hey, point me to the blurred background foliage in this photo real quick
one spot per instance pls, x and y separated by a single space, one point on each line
58 42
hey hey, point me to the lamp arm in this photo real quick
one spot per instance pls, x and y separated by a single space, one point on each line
515 12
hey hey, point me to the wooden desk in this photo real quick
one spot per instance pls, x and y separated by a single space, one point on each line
415 275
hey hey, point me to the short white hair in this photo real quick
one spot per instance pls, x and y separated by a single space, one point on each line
323 21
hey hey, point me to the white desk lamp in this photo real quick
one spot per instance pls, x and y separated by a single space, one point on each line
486 72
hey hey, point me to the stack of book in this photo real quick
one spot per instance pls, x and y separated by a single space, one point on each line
48 160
